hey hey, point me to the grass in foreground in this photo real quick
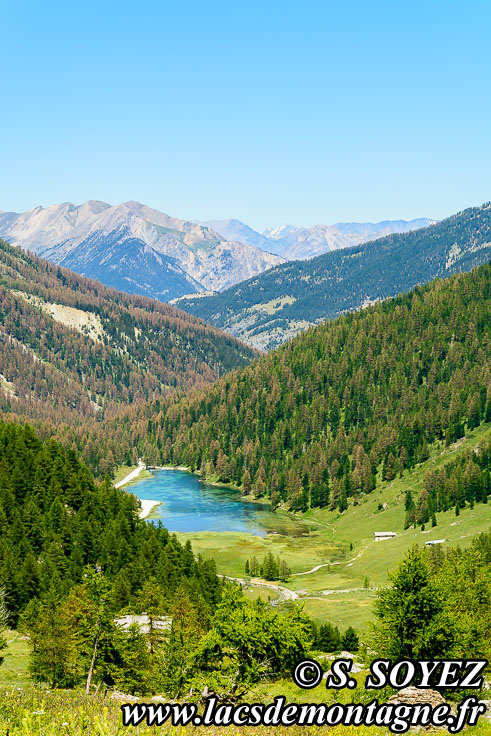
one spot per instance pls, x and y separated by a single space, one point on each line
35 712
27 710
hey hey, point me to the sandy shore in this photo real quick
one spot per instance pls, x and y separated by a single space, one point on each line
145 504
146 507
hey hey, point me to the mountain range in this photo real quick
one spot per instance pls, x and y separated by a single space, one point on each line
140 250
272 307
135 248
300 243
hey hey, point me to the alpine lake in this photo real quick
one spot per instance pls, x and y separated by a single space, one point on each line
189 505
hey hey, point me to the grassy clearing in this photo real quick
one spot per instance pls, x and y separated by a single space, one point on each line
274 305
253 592
342 609
344 543
15 668
230 550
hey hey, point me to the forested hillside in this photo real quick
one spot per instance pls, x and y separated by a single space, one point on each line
72 349
355 400
270 308
74 555
56 521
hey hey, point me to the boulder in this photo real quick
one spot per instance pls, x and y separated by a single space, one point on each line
416 696
419 696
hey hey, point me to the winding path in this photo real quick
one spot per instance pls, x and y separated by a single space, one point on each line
284 593
328 564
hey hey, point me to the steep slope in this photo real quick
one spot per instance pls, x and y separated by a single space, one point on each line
135 248
351 402
273 307
72 349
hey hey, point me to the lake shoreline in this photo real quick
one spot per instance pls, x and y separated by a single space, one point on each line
192 504
149 509
218 484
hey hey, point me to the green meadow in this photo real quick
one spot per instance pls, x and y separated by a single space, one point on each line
344 543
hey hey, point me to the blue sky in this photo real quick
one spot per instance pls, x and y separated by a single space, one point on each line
274 111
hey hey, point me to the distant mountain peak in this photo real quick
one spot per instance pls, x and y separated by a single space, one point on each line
135 248
301 243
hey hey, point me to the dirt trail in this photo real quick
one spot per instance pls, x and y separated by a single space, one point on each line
284 593
328 564
290 595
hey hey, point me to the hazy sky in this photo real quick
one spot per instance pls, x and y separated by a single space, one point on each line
273 111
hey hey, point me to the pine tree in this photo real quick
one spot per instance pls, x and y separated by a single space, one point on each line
151 601
284 571
254 567
270 567
54 656
407 611
329 639
246 483
350 640
135 669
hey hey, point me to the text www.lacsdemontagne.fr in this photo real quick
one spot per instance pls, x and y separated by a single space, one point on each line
396 717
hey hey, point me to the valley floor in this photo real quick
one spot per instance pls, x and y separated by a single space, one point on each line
336 565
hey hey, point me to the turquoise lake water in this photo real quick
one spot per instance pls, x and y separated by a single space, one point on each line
191 505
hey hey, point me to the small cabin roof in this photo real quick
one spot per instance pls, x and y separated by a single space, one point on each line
435 541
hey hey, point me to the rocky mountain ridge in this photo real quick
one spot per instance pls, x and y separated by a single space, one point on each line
301 243
135 248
